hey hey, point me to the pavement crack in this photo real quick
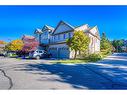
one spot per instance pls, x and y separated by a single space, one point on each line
10 80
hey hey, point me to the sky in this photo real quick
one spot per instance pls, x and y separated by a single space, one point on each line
15 21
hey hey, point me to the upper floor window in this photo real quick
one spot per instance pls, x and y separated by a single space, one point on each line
72 34
54 37
69 34
58 37
64 36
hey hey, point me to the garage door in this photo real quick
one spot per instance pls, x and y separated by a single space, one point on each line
54 53
63 52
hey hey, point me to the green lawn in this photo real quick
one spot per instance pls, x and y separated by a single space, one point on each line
70 61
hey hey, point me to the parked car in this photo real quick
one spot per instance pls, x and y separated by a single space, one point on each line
1 54
39 54
10 54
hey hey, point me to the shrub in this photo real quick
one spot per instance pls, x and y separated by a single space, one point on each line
105 53
95 57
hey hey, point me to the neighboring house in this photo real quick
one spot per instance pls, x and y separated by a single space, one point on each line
124 47
28 38
55 39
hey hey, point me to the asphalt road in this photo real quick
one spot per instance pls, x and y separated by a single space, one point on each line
110 73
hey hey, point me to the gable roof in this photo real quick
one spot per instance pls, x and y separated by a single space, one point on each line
46 27
27 37
38 31
96 34
88 29
68 28
49 27
82 27
63 22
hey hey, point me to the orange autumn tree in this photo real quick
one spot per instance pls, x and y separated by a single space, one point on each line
2 42
2 46
15 45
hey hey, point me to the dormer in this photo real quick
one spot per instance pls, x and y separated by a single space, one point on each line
47 28
38 31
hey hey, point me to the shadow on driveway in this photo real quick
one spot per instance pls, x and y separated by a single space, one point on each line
106 74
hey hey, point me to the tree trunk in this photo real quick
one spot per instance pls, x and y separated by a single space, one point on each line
75 54
79 52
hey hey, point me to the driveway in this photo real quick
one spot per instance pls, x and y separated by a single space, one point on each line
110 73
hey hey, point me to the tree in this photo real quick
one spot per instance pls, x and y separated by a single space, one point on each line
30 44
15 45
117 44
2 42
105 44
2 46
79 42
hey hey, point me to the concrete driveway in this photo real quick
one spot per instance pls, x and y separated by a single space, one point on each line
110 73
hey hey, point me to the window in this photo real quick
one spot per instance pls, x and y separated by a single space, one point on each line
36 51
58 37
72 34
69 34
61 36
64 36
40 52
54 37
